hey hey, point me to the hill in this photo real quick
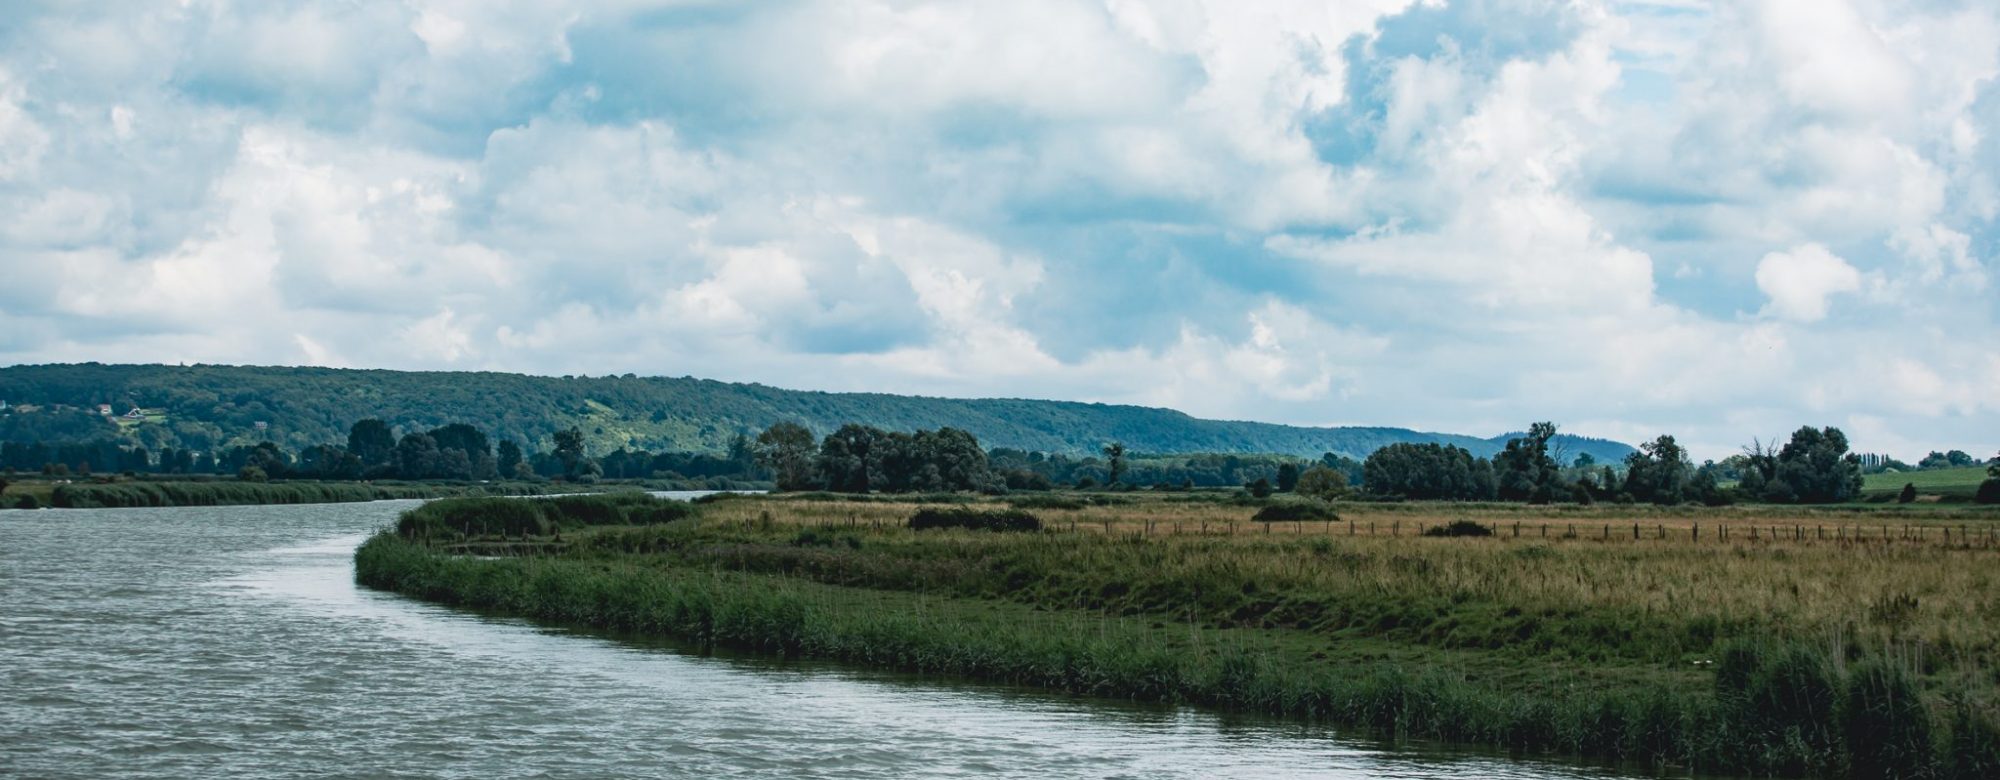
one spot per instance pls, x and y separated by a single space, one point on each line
205 407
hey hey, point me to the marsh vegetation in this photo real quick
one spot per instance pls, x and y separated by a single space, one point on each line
1775 640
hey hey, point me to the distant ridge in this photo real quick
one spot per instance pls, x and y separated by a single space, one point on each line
208 405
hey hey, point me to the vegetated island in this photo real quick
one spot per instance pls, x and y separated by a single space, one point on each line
1853 641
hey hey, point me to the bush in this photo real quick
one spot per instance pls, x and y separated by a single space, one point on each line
1989 492
25 501
1459 528
1909 494
1295 511
975 519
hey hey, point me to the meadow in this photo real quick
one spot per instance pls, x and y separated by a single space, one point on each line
1782 641
1955 483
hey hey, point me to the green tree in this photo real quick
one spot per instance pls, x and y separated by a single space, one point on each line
1908 495
1584 460
372 442
1288 476
1658 472
1115 452
786 450
1427 471
1524 471
509 459
569 451
1260 488
1322 483
1814 468
847 456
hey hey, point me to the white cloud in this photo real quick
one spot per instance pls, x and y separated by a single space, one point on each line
1801 282
1449 216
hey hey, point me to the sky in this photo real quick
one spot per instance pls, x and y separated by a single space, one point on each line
1715 220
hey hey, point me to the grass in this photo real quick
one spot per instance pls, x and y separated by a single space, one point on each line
1783 654
1958 482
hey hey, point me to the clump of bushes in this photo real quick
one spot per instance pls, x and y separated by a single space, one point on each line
1295 511
1459 528
25 501
975 519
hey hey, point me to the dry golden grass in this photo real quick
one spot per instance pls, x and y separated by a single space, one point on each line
1927 579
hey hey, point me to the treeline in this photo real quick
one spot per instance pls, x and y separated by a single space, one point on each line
162 494
373 451
1813 467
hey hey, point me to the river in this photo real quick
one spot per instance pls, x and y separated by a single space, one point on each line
232 642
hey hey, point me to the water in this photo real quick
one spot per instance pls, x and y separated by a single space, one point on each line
232 642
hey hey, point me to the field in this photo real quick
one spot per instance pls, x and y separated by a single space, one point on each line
1959 482
1769 640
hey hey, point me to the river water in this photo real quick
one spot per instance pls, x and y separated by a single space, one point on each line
232 642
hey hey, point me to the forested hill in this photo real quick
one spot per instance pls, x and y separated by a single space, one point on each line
207 407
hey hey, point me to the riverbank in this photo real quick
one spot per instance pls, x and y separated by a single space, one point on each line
151 493
1790 656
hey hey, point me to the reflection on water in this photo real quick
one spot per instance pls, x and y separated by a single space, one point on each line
232 641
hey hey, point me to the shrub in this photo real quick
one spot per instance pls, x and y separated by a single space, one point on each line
975 519
1989 492
1909 494
25 501
1295 511
1459 528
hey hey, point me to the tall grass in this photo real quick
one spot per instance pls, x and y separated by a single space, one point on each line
1773 657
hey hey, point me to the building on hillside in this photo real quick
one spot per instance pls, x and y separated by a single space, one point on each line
104 409
136 414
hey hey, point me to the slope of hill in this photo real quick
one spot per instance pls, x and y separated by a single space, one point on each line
205 406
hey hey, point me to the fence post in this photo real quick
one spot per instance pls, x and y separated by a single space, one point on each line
1697 532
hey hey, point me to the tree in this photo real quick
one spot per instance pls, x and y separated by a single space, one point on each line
1658 472
786 450
1288 477
372 442
1260 488
569 451
846 457
417 457
1524 471
1427 472
509 460
1322 483
1909 494
1115 452
1813 468
1584 460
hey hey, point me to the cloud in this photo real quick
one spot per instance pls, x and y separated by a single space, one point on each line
1713 219
1801 282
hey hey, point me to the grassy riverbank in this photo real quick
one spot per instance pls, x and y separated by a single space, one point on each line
1788 655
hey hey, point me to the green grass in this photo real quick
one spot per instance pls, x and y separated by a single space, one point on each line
1958 482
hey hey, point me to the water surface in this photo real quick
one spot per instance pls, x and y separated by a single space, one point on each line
232 642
